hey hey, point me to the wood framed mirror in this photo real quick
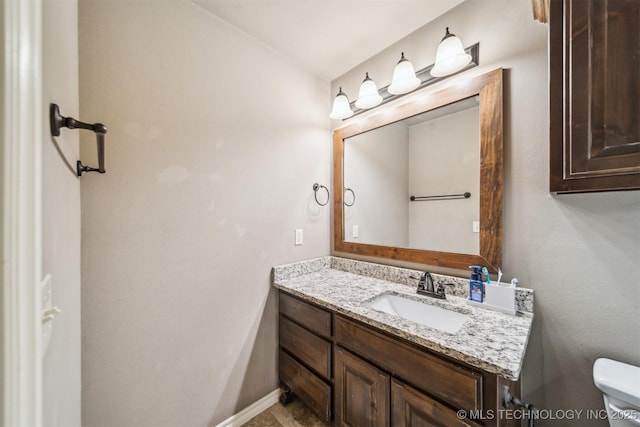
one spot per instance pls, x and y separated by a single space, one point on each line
487 90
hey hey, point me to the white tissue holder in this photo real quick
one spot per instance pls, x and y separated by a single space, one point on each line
498 298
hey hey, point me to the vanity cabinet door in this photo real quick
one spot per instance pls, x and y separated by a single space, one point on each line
410 408
594 95
457 385
361 392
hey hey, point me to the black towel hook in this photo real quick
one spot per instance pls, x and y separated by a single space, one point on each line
57 121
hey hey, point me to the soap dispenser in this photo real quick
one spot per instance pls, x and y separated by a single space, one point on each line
476 286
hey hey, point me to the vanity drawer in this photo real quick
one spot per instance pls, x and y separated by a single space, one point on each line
409 407
307 386
312 318
454 384
314 351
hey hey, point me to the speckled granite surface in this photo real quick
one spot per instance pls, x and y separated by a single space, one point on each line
489 340
301 268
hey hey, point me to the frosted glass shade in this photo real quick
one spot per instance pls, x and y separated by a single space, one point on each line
341 108
404 78
368 96
450 56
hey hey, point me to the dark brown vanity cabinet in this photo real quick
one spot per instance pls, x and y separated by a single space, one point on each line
306 353
368 396
454 384
355 375
594 84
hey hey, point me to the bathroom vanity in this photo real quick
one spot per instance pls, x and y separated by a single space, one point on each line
354 364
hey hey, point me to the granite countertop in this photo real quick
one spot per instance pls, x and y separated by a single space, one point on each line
489 340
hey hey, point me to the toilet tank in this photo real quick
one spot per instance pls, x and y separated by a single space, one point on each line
620 385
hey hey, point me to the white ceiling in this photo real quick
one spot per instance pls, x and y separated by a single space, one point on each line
328 37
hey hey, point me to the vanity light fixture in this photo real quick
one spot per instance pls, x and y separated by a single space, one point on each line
341 108
450 56
368 96
404 77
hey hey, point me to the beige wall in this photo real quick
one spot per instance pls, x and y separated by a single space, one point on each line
578 252
61 215
214 142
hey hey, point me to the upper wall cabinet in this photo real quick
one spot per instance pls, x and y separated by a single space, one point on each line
594 54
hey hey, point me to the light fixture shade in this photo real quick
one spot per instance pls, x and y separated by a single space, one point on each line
341 108
368 96
404 78
450 56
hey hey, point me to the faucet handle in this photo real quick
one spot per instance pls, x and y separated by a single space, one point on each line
441 288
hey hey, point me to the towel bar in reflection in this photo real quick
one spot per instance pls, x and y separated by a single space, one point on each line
440 197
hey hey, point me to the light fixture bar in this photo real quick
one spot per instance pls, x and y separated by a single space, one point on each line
426 79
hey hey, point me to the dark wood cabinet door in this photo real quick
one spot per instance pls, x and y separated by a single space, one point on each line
449 382
361 392
410 408
594 65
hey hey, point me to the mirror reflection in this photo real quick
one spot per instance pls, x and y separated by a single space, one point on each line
434 157
377 181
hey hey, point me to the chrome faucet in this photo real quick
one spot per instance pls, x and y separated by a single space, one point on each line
425 286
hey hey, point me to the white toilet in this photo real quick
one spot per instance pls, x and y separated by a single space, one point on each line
620 384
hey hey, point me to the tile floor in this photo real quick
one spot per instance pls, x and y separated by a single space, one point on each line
295 414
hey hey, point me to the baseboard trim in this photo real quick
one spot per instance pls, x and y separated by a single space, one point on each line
252 410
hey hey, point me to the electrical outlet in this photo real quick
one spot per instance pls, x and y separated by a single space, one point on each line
354 232
299 236
476 226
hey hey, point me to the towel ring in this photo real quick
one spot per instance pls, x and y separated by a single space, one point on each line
317 187
354 197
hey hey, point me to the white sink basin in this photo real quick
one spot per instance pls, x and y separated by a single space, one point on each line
419 312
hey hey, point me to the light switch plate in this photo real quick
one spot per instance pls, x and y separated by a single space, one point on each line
354 233
299 236
476 226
